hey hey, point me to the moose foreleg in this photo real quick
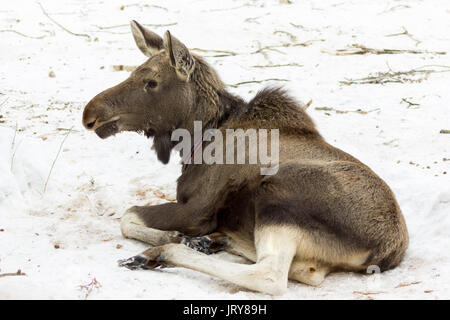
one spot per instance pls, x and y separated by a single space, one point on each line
190 219
135 228
170 223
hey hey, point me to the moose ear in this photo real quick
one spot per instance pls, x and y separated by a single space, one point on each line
147 41
179 55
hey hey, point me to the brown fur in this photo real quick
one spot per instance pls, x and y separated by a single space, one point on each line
342 215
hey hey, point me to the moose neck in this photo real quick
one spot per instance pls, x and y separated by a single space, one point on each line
213 104
218 113
228 106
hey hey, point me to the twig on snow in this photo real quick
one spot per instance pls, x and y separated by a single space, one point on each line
14 138
22 34
401 6
286 45
410 104
253 20
254 81
405 33
56 158
61 26
12 274
366 293
406 284
278 65
4 101
127 25
14 154
272 48
90 286
223 53
145 5
360 111
264 54
360 49
12 146
226 9
290 35
396 77
301 27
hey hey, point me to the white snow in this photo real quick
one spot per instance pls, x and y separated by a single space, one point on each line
94 181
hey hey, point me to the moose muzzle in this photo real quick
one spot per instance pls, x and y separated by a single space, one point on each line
97 117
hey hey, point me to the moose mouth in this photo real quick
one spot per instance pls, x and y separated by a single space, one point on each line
108 129
105 129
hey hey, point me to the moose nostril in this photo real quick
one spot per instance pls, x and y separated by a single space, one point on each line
90 125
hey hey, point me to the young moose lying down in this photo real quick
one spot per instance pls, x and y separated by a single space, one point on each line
322 211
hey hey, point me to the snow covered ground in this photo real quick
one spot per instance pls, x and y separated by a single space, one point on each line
67 239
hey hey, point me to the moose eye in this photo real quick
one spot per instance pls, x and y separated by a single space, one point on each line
152 84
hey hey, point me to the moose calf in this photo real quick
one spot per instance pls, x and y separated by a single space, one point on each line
322 211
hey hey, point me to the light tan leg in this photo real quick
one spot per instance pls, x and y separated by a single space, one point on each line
275 251
134 228
308 272
241 248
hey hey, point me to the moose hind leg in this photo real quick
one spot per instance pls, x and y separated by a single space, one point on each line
308 272
275 251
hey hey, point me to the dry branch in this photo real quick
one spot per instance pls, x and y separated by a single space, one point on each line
127 25
14 138
366 293
227 9
145 5
278 65
66 129
395 8
61 26
412 76
290 35
253 20
14 154
56 158
301 27
1 104
360 111
223 53
22 34
264 54
18 273
4 101
405 33
410 104
360 49
254 81
12 146
89 287
286 45
406 284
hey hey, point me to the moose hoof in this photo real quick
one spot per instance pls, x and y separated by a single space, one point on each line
133 263
203 244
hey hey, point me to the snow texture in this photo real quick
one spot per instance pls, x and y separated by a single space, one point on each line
67 239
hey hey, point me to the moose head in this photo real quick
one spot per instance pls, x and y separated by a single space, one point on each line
161 95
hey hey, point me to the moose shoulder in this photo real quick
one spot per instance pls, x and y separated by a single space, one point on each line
321 211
